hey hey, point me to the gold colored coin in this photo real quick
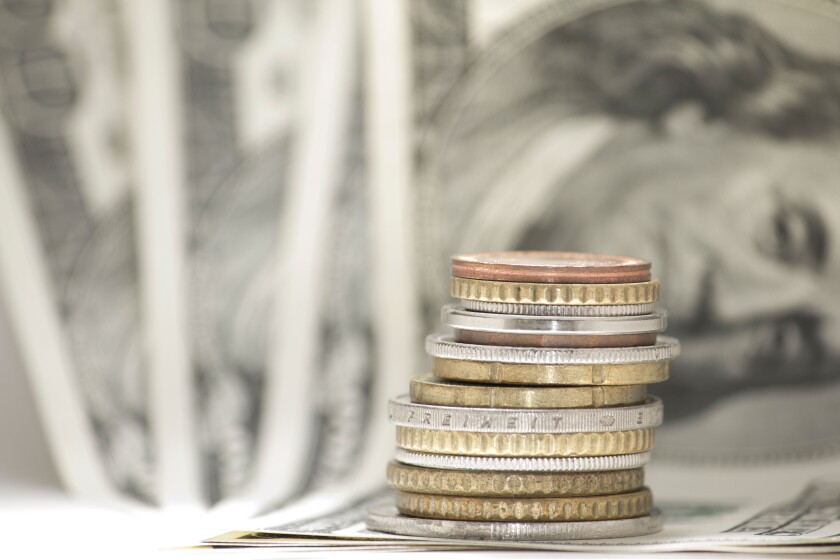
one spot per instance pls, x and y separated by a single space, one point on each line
555 294
427 389
563 374
583 508
495 444
424 480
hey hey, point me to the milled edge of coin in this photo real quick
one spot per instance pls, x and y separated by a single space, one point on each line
555 294
628 310
443 346
427 389
532 509
386 519
425 480
520 464
500 373
456 317
402 412
494 444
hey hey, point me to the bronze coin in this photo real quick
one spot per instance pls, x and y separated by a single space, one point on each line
555 341
547 267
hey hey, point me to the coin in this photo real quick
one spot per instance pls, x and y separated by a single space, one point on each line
457 317
559 310
402 412
579 444
476 327
443 346
555 294
554 340
427 389
423 480
547 374
386 519
529 464
573 508
551 267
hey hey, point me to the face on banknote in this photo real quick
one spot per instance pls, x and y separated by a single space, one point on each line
700 135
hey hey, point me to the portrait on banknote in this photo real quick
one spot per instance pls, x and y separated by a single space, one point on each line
701 135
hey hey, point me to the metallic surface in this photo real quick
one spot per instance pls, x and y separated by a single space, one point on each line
536 374
572 508
409 478
551 267
579 444
555 294
387 519
559 310
402 412
459 318
443 346
427 389
554 340
523 464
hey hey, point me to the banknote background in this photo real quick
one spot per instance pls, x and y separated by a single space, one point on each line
324 158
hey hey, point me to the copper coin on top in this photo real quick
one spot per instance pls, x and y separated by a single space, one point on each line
548 267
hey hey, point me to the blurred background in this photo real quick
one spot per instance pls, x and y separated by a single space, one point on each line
225 226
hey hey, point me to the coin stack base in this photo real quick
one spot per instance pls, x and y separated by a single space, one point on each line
535 423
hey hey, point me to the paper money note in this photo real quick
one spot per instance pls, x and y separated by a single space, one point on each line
73 293
629 128
779 510
277 243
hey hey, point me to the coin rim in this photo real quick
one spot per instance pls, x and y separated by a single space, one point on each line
548 340
513 374
620 310
505 444
522 464
427 389
555 294
530 484
457 317
666 348
385 518
470 265
575 420
576 504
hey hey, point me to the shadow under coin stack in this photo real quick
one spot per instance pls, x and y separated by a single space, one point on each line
536 422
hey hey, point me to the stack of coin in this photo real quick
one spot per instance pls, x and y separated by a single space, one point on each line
535 423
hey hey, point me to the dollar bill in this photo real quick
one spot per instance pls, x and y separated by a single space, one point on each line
69 269
276 243
779 510
628 127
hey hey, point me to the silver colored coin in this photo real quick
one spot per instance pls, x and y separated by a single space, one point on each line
386 519
403 412
519 464
443 346
558 310
457 317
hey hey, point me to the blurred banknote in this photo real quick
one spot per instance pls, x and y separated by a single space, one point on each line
332 155
277 241
700 135
73 293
